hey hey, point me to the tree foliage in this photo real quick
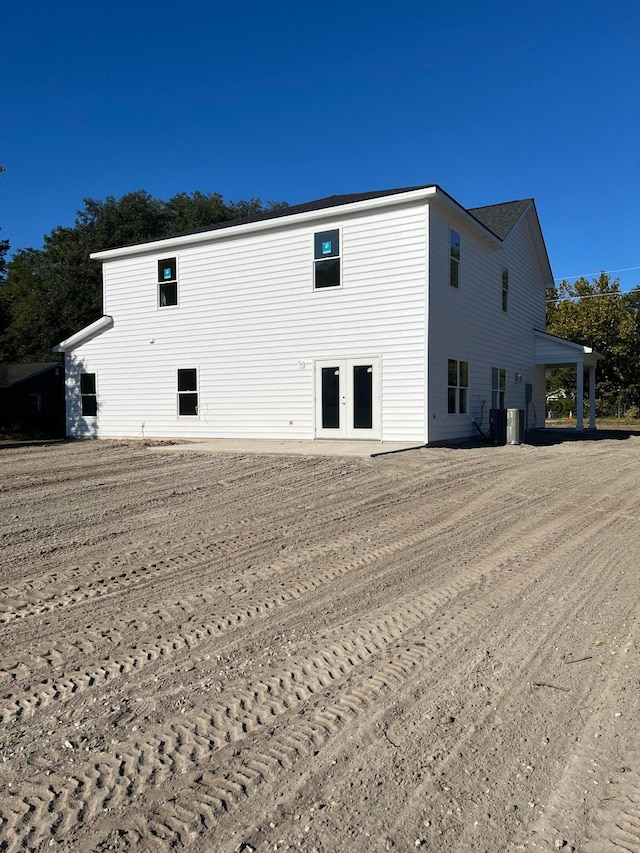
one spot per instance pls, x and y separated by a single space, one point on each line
597 314
48 294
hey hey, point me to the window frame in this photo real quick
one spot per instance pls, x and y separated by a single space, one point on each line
505 289
173 282
460 389
87 396
182 394
454 260
337 257
34 403
499 387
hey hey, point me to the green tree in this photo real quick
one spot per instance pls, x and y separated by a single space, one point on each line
4 249
597 314
50 293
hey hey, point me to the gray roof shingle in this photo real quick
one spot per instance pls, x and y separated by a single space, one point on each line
10 374
497 218
500 218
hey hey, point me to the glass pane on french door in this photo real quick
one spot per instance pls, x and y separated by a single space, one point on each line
362 396
330 398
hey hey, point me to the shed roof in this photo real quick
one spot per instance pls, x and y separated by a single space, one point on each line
11 374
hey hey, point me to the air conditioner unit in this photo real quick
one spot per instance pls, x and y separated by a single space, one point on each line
515 426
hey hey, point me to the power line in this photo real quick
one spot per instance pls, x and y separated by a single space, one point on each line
591 296
587 274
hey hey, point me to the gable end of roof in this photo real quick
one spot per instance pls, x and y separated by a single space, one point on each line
501 218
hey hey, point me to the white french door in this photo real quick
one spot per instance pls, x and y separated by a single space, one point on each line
348 398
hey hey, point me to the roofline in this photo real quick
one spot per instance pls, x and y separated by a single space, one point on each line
542 243
49 366
81 337
285 218
582 347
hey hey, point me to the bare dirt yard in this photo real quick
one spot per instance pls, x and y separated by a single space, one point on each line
432 650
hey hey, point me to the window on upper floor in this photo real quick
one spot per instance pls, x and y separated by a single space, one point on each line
88 395
458 386
454 258
167 282
505 289
188 391
498 387
326 259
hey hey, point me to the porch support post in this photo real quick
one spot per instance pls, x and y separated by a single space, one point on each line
579 396
592 396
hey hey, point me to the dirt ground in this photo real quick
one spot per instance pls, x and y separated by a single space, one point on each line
431 650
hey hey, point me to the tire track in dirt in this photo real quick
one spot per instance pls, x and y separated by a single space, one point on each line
616 826
602 760
166 562
62 688
217 793
171 754
78 589
535 652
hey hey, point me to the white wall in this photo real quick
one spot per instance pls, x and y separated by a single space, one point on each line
468 323
249 320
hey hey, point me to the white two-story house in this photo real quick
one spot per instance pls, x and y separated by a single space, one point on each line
395 316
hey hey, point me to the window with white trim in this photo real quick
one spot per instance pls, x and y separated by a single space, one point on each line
498 387
188 392
88 395
505 289
167 282
457 386
326 259
454 258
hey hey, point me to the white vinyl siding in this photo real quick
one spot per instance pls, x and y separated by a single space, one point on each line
251 322
470 322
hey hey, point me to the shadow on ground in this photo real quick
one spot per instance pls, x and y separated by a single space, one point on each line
559 435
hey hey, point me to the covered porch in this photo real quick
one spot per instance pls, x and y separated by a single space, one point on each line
556 352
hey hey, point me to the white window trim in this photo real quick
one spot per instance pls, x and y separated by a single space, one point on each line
315 231
498 391
197 392
458 413
81 395
451 259
160 307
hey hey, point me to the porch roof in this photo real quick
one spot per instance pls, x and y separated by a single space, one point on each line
561 353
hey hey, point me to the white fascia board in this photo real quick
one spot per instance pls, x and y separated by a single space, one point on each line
540 245
84 334
266 224
585 350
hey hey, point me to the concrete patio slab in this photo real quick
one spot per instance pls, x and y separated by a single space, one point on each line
291 448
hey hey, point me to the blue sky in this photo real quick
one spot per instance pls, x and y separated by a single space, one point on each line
493 100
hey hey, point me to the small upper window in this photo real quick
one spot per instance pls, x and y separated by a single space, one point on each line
498 387
454 258
188 391
167 282
88 396
326 259
505 289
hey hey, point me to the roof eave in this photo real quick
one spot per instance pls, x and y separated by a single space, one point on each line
167 243
84 335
